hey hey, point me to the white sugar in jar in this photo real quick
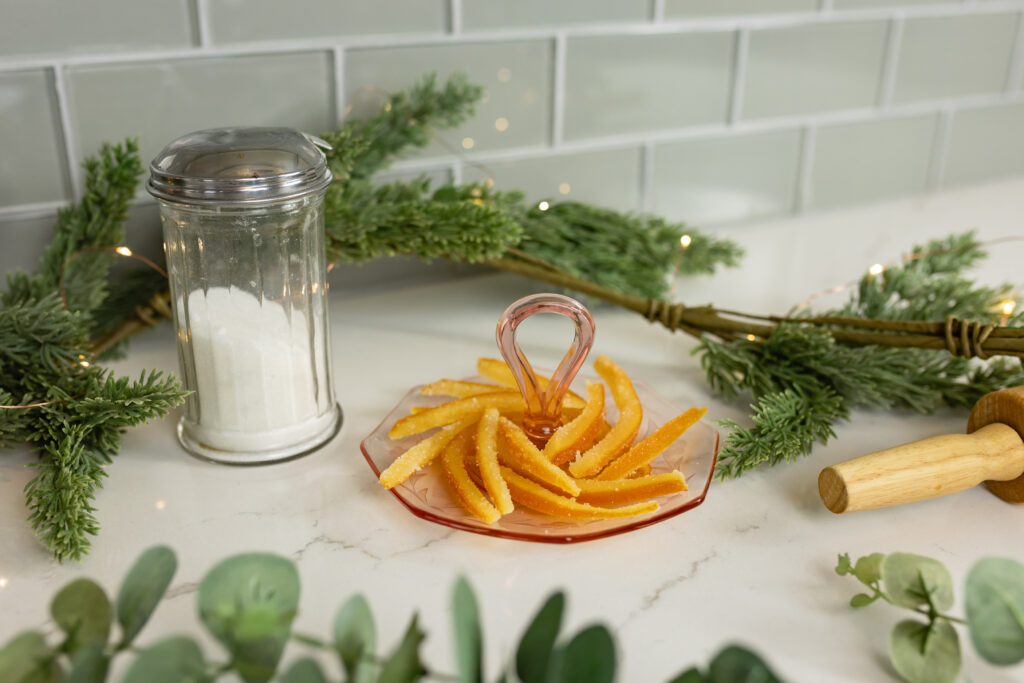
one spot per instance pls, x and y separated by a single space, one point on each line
242 215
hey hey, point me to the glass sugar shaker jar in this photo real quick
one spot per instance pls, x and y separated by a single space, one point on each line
243 226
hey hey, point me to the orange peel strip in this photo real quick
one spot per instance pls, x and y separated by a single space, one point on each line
569 439
650 448
421 454
532 495
626 491
641 471
524 457
622 433
453 411
487 461
472 499
458 388
498 371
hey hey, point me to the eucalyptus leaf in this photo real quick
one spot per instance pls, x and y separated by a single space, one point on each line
995 609
468 636
89 664
925 654
691 675
26 658
83 612
305 670
843 565
404 664
868 569
735 664
533 655
248 602
173 660
588 658
142 589
909 580
354 633
861 600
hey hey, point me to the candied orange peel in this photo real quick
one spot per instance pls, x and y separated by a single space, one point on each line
588 469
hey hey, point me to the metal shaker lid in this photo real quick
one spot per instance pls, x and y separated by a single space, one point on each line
239 166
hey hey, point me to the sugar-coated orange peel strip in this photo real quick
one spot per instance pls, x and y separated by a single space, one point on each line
459 388
421 454
453 462
453 411
523 456
622 433
573 437
626 491
530 494
487 461
641 471
498 372
650 448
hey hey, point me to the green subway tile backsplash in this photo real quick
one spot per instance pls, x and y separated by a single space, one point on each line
233 21
727 178
33 168
985 142
632 84
170 98
486 15
609 178
515 112
814 68
951 56
37 27
863 162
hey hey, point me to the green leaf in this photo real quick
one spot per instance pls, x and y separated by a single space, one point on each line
868 569
173 660
355 636
588 658
691 675
843 565
995 609
404 664
83 612
910 580
89 664
861 600
925 654
142 589
735 664
534 653
468 636
305 670
248 602
26 658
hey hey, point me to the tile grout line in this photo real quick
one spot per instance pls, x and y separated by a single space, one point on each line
455 17
893 46
67 132
203 23
647 177
29 211
739 74
558 92
457 170
1015 74
940 149
338 60
658 11
804 184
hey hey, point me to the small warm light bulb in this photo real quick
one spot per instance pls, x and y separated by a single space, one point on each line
876 269
84 363
124 251
476 192
751 337
490 182
564 188
467 143
504 75
160 505
387 106
1008 306
543 206
3 582
501 124
685 241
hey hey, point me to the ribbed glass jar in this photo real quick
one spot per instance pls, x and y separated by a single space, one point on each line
247 268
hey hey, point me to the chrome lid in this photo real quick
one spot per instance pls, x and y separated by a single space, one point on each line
234 166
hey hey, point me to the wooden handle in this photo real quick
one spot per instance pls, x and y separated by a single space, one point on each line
923 469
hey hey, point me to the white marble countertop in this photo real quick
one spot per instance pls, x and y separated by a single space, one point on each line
752 565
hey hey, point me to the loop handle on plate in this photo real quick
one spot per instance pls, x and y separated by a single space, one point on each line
544 404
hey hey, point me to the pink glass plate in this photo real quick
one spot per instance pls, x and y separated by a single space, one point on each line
426 494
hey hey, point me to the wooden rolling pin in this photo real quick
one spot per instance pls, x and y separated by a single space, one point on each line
992 451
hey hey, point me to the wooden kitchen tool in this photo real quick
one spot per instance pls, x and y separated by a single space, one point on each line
992 451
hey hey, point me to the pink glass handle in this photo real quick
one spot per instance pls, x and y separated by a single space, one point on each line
544 405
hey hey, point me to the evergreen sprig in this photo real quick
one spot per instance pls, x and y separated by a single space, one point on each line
45 359
803 382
